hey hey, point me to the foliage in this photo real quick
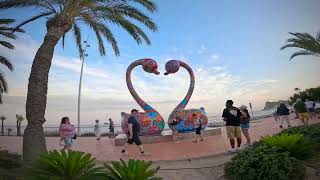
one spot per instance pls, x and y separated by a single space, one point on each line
264 163
10 164
311 94
7 33
19 118
94 14
296 144
312 132
132 170
71 165
308 44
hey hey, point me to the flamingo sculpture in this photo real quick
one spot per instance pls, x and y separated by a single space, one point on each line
186 120
151 122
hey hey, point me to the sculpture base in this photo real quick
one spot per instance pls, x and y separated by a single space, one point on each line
121 139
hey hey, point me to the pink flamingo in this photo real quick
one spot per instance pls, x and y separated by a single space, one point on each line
151 121
186 120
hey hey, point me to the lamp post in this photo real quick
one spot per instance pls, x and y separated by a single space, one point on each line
82 58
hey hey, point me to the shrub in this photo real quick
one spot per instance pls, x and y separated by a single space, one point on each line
264 163
10 165
71 165
296 144
132 170
312 131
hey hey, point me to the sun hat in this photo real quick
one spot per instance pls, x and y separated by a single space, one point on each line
243 107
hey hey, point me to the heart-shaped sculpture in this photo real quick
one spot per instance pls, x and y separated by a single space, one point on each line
151 122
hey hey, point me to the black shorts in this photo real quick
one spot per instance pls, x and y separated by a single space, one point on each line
135 139
198 130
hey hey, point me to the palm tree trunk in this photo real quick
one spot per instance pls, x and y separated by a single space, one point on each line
18 129
33 138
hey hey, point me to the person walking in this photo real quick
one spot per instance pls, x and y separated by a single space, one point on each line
311 108
66 132
111 128
232 116
97 129
198 128
245 123
133 133
302 111
173 123
283 113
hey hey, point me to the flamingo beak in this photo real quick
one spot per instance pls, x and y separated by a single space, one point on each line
156 72
166 73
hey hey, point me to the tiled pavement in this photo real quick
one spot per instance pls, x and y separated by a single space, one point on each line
105 150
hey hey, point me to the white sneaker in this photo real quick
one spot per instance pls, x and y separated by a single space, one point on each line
145 153
232 150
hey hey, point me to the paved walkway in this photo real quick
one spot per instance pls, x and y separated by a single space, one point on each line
105 150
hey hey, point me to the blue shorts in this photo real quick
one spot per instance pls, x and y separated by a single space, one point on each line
245 126
68 141
311 109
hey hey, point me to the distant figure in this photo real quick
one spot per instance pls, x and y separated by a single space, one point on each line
301 108
275 115
173 125
283 113
133 133
111 128
203 111
198 129
66 132
311 107
232 117
245 123
97 129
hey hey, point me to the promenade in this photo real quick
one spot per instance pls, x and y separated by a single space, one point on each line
105 150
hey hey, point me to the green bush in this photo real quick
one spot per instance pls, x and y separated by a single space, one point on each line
61 165
132 170
296 144
312 132
10 165
263 162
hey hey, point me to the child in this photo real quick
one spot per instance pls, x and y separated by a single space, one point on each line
174 123
66 132
97 129
198 128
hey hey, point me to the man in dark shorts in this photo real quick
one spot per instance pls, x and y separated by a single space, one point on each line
134 130
232 116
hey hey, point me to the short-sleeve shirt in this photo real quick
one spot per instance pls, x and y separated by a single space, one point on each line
309 104
232 116
135 125
300 107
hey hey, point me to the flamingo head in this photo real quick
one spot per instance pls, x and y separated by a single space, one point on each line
172 66
150 66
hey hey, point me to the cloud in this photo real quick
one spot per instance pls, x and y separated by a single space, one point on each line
215 56
202 49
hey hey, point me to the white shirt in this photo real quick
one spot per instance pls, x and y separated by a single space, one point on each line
309 104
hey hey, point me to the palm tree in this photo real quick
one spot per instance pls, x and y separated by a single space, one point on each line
65 16
308 44
297 89
2 118
6 32
19 118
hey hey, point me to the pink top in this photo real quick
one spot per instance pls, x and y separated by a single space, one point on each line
67 130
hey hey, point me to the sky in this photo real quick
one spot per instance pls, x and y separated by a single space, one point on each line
233 48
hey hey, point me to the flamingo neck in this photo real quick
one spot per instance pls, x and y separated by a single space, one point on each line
132 91
186 99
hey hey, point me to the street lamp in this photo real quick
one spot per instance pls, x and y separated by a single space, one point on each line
82 58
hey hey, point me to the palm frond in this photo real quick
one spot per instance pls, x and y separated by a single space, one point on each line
63 39
151 6
77 36
6 63
9 35
7 21
43 14
301 52
5 4
6 44
3 84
